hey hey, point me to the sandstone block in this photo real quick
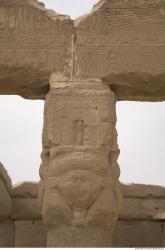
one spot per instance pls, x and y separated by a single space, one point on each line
142 191
6 234
5 201
138 234
25 190
29 234
123 42
5 178
141 209
142 202
79 187
163 238
34 42
25 209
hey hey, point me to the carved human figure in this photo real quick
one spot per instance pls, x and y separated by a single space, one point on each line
12 20
79 130
2 18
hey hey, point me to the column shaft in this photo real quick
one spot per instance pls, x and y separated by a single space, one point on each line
79 190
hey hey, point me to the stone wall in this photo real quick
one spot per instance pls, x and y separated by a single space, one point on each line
6 224
142 217
141 222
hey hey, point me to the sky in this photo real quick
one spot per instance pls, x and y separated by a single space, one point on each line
140 125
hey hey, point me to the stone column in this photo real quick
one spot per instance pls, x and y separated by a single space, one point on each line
79 189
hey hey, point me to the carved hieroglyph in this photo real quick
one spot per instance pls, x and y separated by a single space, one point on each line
79 191
34 42
120 41
123 42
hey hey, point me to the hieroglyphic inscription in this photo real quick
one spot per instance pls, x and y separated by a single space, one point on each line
26 20
8 20
136 3
74 126
30 37
114 38
80 124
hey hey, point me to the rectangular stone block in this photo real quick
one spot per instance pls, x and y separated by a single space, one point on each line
32 40
142 191
163 237
138 234
6 234
5 201
30 234
25 190
25 209
123 43
141 209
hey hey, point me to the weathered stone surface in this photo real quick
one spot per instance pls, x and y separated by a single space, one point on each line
142 202
25 209
163 239
5 178
160 217
141 209
26 190
29 234
6 234
71 237
123 42
142 191
138 234
80 194
5 201
139 201
34 42
5 193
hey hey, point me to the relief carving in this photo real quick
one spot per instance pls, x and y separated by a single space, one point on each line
79 132
136 3
8 20
2 19
12 20
79 188
81 196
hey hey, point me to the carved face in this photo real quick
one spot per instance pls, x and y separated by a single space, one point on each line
79 188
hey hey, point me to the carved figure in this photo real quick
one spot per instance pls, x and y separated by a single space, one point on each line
12 20
2 18
79 129
79 198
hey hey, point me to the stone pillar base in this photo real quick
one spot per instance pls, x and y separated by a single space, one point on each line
79 237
